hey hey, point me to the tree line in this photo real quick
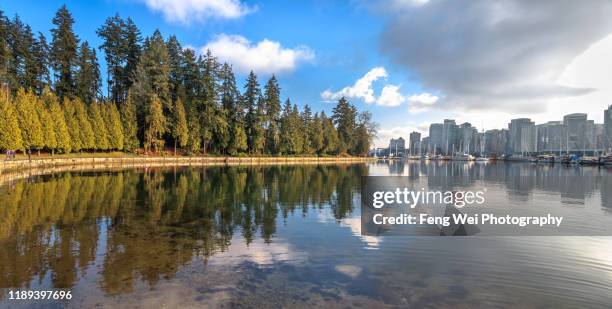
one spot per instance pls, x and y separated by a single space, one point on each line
158 95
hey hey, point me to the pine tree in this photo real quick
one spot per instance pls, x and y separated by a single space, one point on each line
175 59
10 132
114 128
59 122
180 131
64 52
232 110
85 128
272 119
344 117
4 49
20 43
129 125
239 139
40 64
29 121
316 134
155 125
132 37
88 82
72 124
97 121
306 125
297 131
252 121
194 141
47 125
115 54
330 135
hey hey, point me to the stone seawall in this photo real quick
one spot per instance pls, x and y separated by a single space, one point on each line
19 169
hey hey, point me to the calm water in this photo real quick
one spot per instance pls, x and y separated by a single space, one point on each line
289 236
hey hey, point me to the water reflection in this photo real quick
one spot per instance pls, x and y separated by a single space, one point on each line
153 221
290 235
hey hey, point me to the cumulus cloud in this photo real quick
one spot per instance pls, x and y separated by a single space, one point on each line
390 96
494 55
187 11
362 89
265 57
421 102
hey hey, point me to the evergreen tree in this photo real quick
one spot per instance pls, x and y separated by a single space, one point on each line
316 134
20 44
297 131
47 125
10 132
194 141
155 125
180 131
59 121
272 119
4 49
190 76
239 139
129 125
88 82
306 127
175 60
73 125
344 117
252 121
64 52
133 40
232 109
29 121
39 67
115 54
112 119
85 128
330 136
291 140
97 122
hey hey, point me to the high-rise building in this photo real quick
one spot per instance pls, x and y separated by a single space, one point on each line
577 136
436 135
467 138
522 135
450 140
415 143
551 137
608 128
496 142
397 147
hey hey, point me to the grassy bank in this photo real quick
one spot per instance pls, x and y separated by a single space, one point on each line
119 159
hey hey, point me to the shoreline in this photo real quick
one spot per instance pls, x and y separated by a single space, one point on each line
23 168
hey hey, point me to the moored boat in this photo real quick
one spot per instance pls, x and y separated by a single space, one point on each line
589 160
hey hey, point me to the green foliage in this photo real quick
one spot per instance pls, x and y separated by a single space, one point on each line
180 131
155 125
85 128
129 125
64 52
29 120
10 132
73 125
56 112
159 92
114 128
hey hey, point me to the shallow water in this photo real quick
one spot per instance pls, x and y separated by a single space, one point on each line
291 236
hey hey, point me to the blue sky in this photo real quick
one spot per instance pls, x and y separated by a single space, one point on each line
419 61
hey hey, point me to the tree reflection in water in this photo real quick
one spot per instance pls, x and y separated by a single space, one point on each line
153 221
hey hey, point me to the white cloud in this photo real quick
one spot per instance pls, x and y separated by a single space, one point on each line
385 134
390 96
421 102
362 89
187 11
264 57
